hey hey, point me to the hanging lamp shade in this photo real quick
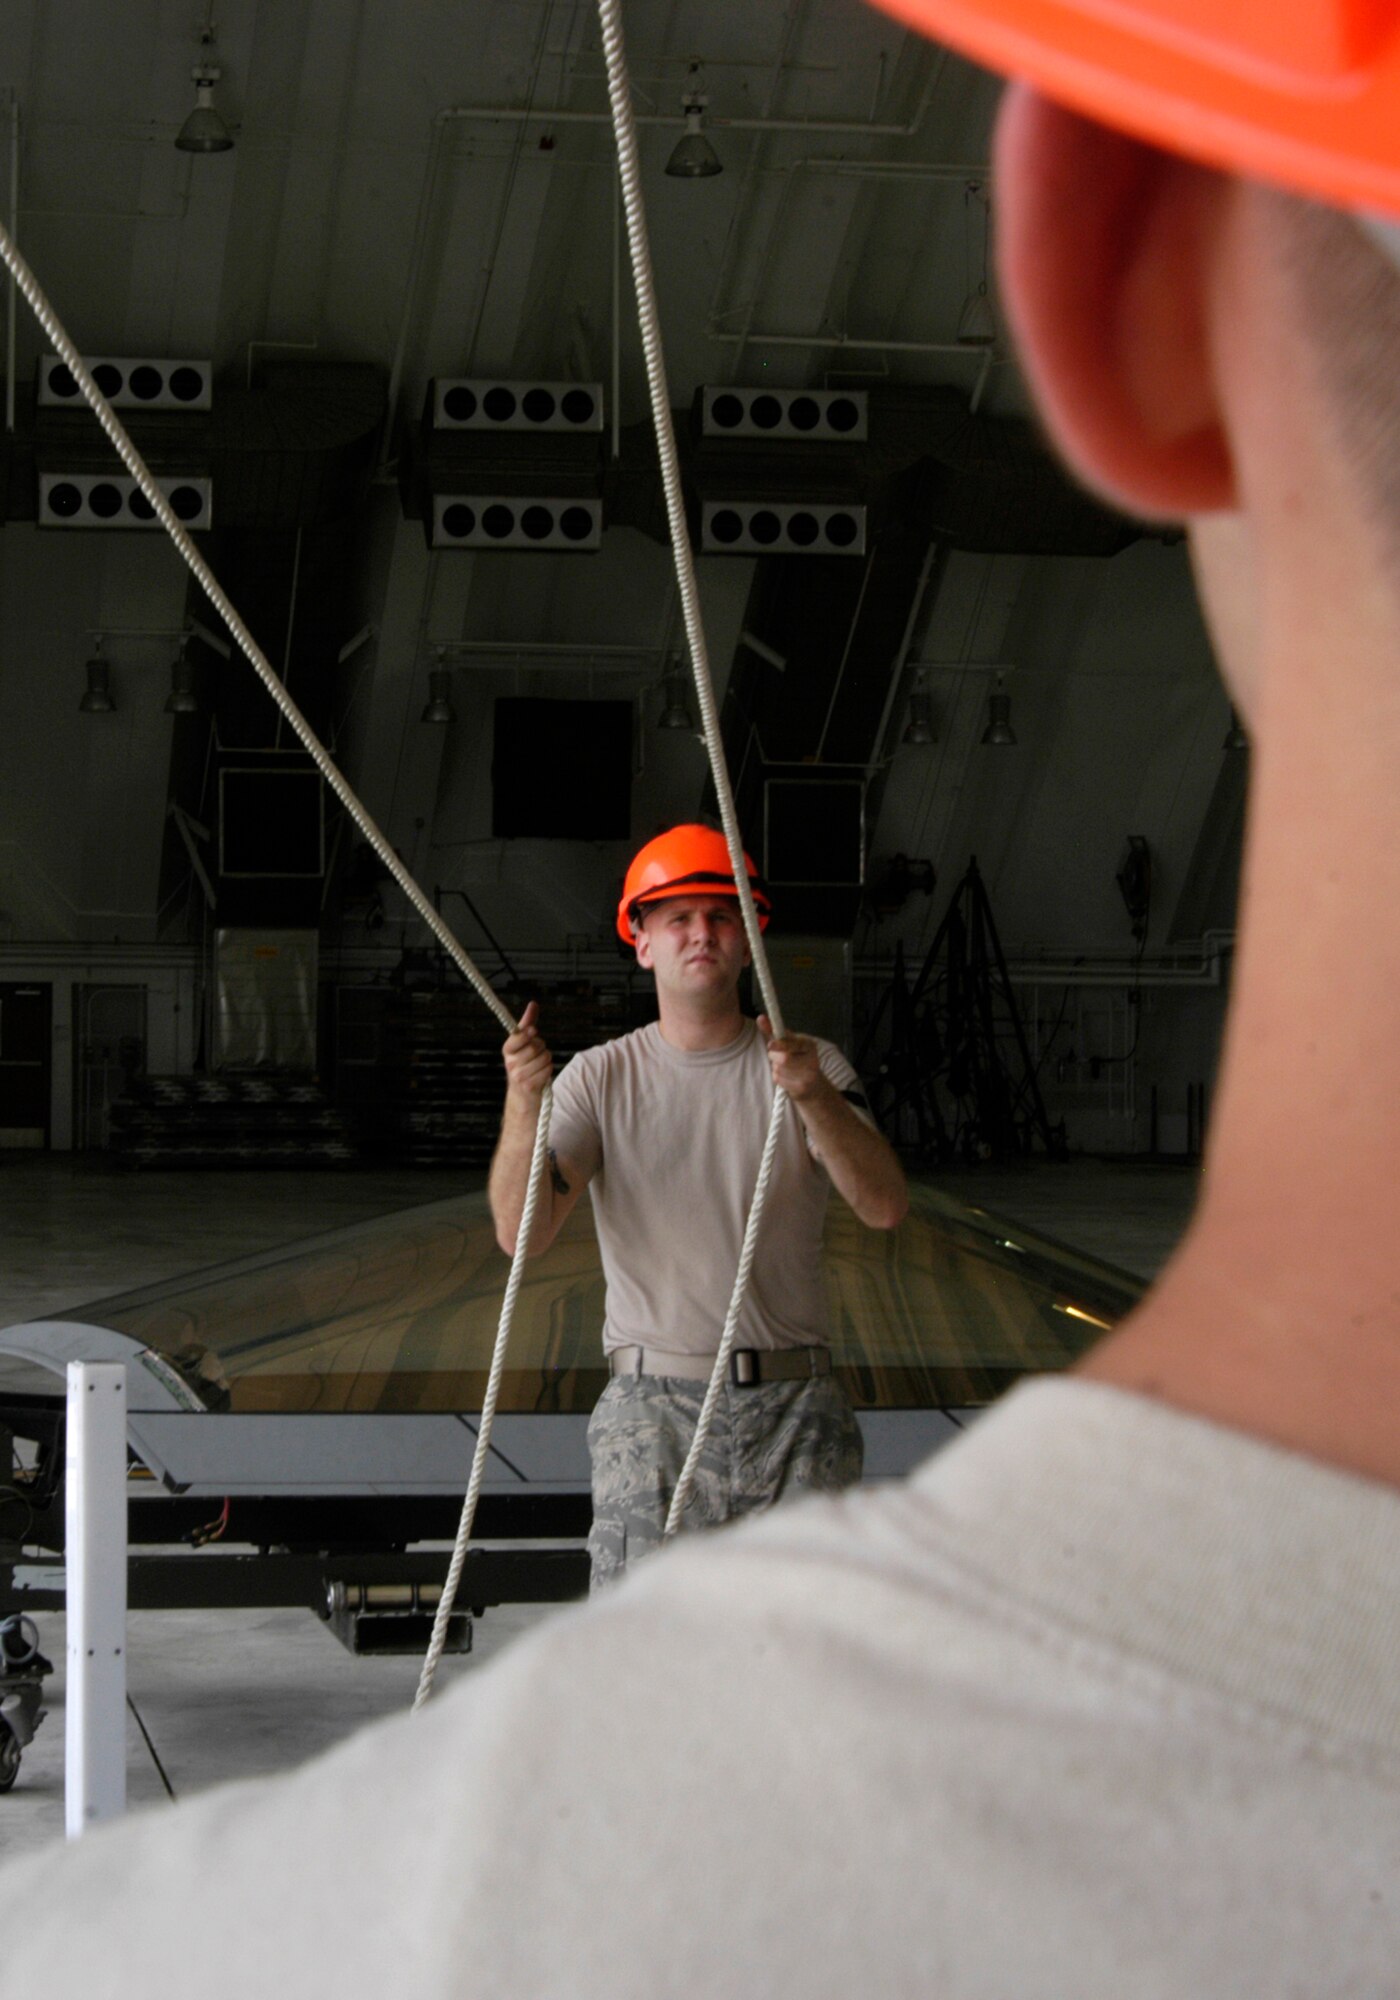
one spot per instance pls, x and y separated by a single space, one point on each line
204 131
182 699
676 713
439 710
693 158
97 695
919 728
998 731
977 326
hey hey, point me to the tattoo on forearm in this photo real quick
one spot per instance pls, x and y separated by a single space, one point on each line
557 1180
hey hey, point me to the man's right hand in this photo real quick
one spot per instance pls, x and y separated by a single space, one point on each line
529 1064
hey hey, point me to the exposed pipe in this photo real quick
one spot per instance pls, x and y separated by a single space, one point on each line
822 163
12 305
563 653
983 376
616 321
410 291
1204 971
291 621
846 651
466 114
519 114
901 659
503 212
853 342
819 163
1037 972
770 98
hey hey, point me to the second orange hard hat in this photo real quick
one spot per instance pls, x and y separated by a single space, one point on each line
683 860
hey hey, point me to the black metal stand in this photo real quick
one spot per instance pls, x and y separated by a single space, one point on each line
958 1062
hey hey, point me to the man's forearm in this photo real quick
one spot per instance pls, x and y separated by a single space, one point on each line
861 1164
510 1175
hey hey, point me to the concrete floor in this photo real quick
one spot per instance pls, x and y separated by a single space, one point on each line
241 1694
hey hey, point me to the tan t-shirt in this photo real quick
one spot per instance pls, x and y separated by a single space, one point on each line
671 1144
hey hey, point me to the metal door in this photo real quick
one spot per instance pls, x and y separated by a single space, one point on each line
109 1050
26 1064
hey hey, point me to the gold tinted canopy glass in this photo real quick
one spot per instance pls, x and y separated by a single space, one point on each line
400 1314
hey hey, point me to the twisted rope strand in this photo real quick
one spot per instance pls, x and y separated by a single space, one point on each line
488 1405
731 1323
174 527
630 177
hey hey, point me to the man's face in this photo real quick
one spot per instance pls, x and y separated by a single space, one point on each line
694 944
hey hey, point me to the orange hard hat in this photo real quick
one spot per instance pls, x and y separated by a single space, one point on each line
692 859
1305 93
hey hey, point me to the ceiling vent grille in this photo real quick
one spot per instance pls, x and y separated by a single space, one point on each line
493 521
786 528
485 405
114 500
823 416
128 384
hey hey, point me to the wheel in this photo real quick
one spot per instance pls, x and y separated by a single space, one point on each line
9 1756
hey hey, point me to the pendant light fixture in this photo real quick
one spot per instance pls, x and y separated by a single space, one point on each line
676 713
919 730
439 711
998 732
204 131
693 158
182 699
977 325
97 696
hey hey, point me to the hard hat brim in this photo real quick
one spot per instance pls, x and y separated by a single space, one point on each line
671 890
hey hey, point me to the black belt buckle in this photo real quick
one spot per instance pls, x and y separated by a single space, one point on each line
744 1370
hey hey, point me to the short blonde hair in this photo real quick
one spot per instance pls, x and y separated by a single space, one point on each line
1348 294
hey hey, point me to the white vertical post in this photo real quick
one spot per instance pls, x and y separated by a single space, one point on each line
95 1564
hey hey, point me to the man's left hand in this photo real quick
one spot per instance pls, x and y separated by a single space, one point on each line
794 1061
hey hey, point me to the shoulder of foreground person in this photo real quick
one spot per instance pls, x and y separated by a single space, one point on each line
828 1750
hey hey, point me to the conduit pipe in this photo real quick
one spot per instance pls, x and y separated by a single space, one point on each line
12 299
894 170
739 212
901 663
616 383
522 114
852 341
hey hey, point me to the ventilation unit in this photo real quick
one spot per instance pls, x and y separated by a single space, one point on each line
490 521
129 385
114 500
827 415
784 528
484 405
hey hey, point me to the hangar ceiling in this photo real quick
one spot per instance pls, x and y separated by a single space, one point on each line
423 189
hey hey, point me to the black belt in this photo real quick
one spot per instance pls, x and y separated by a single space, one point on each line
748 1366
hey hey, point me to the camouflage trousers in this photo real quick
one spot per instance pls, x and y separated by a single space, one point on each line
766 1441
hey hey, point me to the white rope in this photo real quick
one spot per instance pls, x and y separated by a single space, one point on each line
488 1405
320 756
731 1322
630 177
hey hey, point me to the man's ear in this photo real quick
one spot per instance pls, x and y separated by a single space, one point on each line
1105 251
642 945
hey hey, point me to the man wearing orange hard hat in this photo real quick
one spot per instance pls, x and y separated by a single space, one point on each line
666 1128
1103 1703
